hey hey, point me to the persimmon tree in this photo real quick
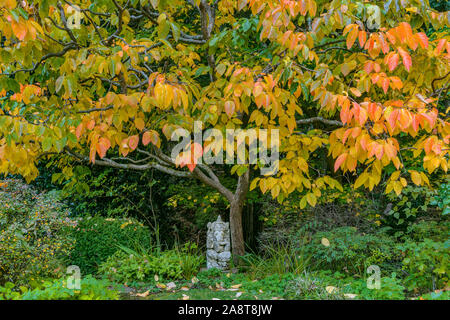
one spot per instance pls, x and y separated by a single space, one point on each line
107 82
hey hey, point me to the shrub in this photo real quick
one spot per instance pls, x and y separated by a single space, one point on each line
346 249
435 230
32 241
412 204
98 238
427 264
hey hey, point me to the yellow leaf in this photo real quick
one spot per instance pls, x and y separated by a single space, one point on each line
325 242
139 123
416 178
311 198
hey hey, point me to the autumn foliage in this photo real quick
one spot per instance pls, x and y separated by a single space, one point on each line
329 75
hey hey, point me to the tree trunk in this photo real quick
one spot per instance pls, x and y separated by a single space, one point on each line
236 206
237 233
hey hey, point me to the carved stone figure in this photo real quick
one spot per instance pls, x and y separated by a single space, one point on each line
218 253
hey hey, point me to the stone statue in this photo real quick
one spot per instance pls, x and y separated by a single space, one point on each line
218 252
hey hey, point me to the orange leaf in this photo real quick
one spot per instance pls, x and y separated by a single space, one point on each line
229 108
423 39
339 161
407 62
362 38
133 142
393 61
102 146
352 37
79 130
19 29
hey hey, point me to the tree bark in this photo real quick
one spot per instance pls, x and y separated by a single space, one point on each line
236 206
237 233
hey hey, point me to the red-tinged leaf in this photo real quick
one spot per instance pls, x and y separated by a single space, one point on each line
102 146
229 108
390 151
19 30
430 117
92 153
362 116
79 130
375 77
346 134
191 166
352 37
428 144
379 152
345 110
404 31
393 61
415 123
362 37
339 161
133 142
393 118
347 29
423 39
376 67
440 46
368 67
384 44
91 124
363 142
196 151
146 138
385 84
437 149
407 62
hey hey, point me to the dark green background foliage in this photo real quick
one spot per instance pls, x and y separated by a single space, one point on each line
98 238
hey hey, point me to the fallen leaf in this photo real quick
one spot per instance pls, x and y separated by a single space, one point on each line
144 294
350 295
161 285
185 288
330 289
325 242
238 294
156 278
185 297
236 286
171 285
